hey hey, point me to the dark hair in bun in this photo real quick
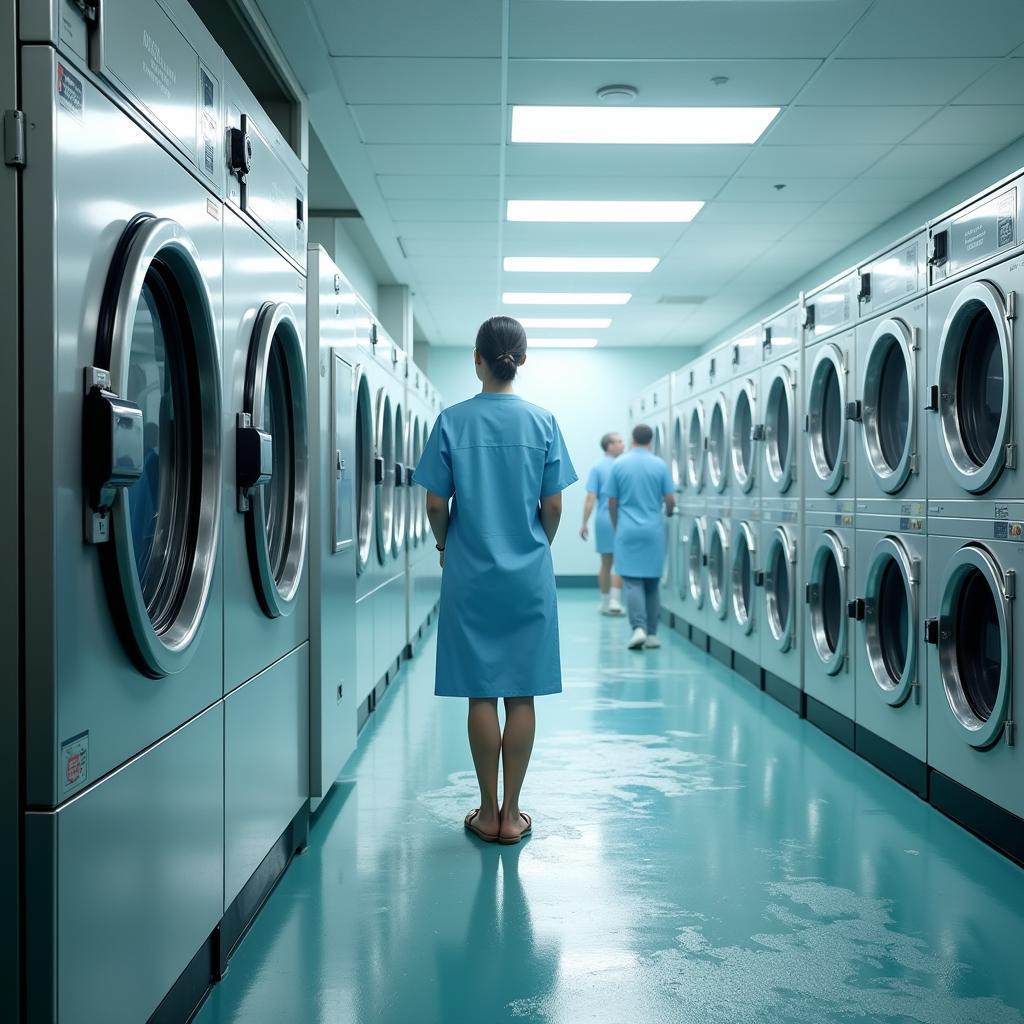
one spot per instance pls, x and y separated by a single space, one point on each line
501 341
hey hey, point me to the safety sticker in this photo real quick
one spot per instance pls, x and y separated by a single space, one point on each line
70 93
1004 219
74 760
213 209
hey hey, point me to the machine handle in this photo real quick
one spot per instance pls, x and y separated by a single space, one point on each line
378 470
931 631
855 609
399 474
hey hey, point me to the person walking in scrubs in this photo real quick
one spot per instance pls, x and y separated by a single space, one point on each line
502 464
609 583
639 487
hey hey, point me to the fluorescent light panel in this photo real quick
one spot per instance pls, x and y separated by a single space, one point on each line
566 298
671 126
560 343
607 211
581 264
559 322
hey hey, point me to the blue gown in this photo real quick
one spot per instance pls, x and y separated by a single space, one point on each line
639 482
597 484
496 456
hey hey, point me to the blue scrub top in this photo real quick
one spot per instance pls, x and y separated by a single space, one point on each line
496 456
639 481
597 484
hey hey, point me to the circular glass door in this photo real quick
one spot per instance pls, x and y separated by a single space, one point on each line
277 510
415 504
695 448
422 499
385 476
717 453
742 445
659 441
779 586
157 340
677 453
744 549
366 491
718 553
974 644
780 429
695 562
826 417
400 460
890 620
888 413
826 598
975 379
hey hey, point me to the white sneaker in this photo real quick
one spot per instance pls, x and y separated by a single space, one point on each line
614 608
651 642
637 640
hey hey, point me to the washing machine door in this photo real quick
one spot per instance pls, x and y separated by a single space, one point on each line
415 512
152 445
780 588
975 383
678 456
659 441
718 569
974 644
741 447
826 599
422 499
890 619
718 443
696 558
695 447
888 409
384 442
744 553
366 471
780 429
401 458
273 458
826 417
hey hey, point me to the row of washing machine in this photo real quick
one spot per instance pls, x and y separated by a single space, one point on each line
849 527
206 610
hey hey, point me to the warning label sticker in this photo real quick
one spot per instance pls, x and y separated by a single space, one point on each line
70 94
74 760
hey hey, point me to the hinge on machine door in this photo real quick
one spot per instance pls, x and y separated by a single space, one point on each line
14 138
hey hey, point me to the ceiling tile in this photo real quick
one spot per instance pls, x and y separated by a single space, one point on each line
396 28
805 126
937 28
869 214
718 232
908 161
438 186
892 82
400 159
760 213
455 268
428 125
587 161
661 83
649 30
442 210
624 187
423 80
823 239
447 247
992 125
906 190
785 162
1003 84
763 190
446 229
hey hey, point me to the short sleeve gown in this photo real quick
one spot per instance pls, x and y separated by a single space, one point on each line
597 484
496 456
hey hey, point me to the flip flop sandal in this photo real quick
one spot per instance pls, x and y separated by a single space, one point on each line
526 831
487 837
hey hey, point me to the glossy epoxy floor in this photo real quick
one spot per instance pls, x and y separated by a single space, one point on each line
699 855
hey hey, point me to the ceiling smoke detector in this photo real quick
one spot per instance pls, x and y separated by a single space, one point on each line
617 95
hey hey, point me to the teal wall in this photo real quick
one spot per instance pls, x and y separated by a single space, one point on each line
589 391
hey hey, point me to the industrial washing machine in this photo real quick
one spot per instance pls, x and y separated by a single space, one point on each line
976 688
776 435
331 316
266 507
675 606
121 225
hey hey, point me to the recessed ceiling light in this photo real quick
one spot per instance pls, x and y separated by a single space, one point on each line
580 264
641 125
561 343
604 210
566 298
617 95
588 322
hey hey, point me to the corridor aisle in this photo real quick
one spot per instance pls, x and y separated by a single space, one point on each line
699 855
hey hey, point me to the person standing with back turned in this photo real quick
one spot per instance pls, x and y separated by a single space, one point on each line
503 465
608 581
639 486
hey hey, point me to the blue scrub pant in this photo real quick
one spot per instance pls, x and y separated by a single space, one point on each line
643 602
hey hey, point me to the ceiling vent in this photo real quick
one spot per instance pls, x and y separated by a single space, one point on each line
617 95
681 300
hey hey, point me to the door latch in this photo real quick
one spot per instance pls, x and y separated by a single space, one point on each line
757 432
855 609
931 631
254 459
759 577
339 464
853 411
932 405
378 470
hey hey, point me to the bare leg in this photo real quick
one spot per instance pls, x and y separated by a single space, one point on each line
516 747
604 577
485 743
616 581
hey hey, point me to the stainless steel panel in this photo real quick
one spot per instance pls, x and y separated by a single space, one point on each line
137 863
266 764
831 308
894 276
